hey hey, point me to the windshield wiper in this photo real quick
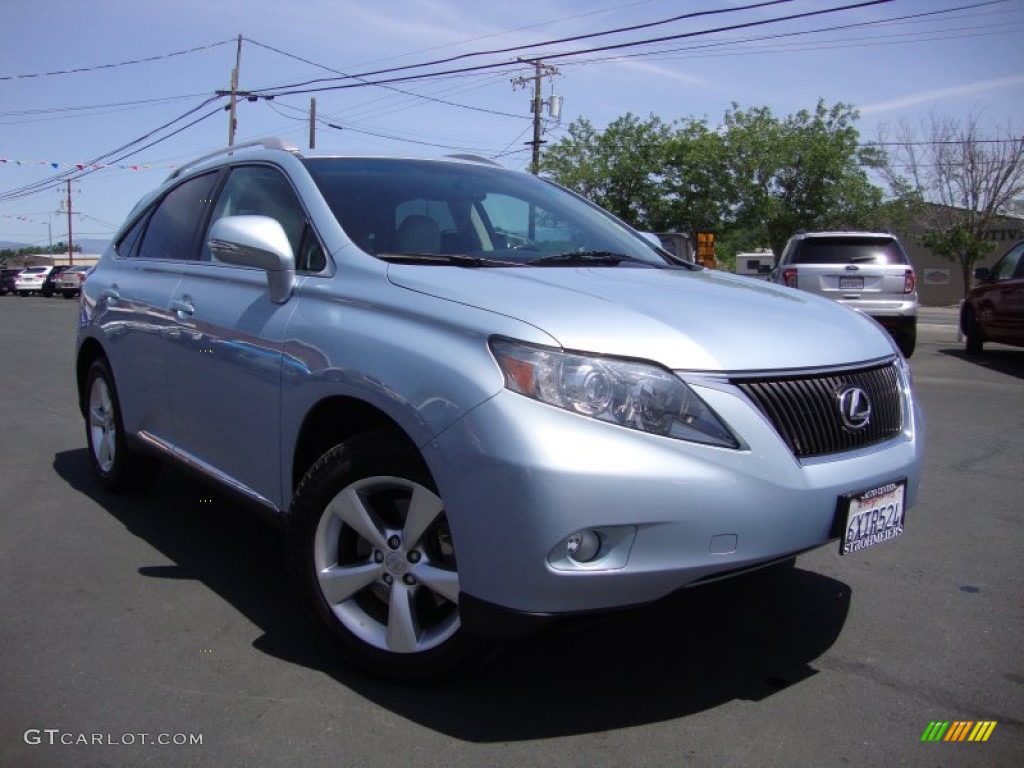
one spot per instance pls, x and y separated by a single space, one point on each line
450 259
608 258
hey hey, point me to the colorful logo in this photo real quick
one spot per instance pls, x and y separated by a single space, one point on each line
958 730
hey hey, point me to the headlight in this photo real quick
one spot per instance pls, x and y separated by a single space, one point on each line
636 395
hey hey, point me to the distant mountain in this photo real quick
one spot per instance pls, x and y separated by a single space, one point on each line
89 245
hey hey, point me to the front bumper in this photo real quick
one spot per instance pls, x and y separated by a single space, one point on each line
518 477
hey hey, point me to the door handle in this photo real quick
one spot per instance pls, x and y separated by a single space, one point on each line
183 307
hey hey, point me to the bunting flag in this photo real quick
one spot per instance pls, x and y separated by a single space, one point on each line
22 218
82 166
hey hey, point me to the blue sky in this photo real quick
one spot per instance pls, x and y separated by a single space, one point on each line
893 68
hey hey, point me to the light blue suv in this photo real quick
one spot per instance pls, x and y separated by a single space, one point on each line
477 402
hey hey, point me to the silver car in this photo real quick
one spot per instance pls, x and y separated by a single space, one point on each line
866 271
476 402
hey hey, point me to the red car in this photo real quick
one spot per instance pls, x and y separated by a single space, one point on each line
994 309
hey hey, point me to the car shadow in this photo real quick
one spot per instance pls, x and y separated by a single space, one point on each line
745 638
1008 360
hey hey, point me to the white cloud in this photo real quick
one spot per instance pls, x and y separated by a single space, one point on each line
923 97
663 72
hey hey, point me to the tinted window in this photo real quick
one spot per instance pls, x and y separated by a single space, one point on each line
848 250
126 244
171 233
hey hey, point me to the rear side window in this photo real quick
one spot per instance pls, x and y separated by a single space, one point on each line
848 250
171 233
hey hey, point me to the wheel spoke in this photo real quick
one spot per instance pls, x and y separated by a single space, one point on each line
97 416
403 630
340 582
105 450
443 582
349 507
424 508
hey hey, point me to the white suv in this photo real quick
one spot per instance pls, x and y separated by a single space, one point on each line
867 271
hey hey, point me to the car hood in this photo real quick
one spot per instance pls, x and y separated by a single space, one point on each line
697 321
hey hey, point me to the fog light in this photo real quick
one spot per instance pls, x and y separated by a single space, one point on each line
583 546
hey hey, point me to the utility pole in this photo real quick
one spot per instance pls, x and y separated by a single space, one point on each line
234 94
312 123
70 260
540 69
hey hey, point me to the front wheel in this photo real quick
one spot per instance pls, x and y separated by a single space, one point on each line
118 467
372 557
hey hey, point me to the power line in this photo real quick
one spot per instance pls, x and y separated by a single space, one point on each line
129 148
905 19
556 41
294 89
97 67
352 128
87 107
387 87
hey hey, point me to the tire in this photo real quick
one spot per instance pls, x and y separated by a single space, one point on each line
118 468
371 557
906 340
974 338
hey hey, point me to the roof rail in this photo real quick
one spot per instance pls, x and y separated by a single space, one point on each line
475 159
270 142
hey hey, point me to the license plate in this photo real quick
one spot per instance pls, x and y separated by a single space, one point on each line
854 283
872 516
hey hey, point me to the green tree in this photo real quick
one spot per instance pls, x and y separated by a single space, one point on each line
803 172
619 168
694 196
754 180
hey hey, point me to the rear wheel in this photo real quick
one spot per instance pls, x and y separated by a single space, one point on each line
372 558
906 340
975 339
117 466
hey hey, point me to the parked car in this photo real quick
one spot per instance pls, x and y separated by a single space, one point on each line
994 308
7 281
69 284
50 283
867 271
31 280
476 402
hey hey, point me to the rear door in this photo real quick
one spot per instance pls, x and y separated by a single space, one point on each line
133 292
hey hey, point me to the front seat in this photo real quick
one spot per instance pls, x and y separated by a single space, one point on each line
418 234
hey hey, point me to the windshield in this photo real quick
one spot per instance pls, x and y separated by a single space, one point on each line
471 215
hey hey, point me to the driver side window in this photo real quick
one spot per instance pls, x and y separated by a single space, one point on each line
259 190
1009 264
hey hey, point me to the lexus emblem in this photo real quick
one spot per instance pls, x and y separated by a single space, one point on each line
855 407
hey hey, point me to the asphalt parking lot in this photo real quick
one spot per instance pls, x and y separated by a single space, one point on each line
131 621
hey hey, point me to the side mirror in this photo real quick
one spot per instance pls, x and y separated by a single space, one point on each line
764 269
258 242
981 274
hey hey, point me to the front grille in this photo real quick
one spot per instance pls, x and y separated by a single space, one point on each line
804 409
